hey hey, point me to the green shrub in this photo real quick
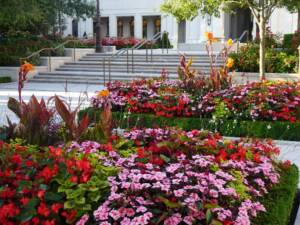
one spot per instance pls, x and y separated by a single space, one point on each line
279 200
5 79
260 129
247 60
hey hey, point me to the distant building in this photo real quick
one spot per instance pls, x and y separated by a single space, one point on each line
142 19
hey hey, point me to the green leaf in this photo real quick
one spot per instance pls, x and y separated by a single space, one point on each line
50 196
43 187
71 194
69 204
87 207
216 222
32 203
170 204
80 201
208 216
165 158
26 215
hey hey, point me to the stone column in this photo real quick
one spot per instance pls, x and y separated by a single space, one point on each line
113 27
138 26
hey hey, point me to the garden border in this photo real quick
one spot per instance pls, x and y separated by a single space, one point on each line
279 130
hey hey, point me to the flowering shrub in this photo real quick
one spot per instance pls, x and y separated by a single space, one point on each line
48 186
255 101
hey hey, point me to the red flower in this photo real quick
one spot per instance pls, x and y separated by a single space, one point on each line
74 179
256 157
141 153
7 193
56 207
35 221
227 222
49 222
222 156
41 193
8 211
16 159
24 201
43 210
55 151
83 165
70 216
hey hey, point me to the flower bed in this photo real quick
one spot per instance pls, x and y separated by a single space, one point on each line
149 176
267 101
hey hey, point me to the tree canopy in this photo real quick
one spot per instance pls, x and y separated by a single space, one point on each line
31 15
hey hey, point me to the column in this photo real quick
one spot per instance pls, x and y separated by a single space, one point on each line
138 26
113 26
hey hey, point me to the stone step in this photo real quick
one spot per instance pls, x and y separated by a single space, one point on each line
135 69
146 64
92 75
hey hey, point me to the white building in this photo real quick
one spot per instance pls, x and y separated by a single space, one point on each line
142 19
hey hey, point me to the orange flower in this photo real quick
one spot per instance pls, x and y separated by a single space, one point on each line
103 93
230 63
209 36
27 67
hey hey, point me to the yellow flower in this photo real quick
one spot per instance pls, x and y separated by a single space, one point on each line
26 67
230 42
103 93
230 63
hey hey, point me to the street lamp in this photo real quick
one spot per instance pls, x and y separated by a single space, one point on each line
98 29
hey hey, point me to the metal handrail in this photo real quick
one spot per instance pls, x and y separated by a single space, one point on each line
49 50
121 52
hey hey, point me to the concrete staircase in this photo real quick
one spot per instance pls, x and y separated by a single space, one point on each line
89 69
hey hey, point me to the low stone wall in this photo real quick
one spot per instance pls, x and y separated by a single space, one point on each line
13 72
244 77
201 47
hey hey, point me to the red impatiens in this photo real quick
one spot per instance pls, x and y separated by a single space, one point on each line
269 101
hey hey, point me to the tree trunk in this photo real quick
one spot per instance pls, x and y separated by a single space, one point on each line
262 34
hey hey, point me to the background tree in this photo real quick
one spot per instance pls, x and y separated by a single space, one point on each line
32 15
294 7
261 11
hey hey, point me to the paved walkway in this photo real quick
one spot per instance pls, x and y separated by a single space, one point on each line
73 93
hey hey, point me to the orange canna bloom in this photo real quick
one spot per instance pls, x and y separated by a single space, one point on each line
230 63
27 67
103 93
209 36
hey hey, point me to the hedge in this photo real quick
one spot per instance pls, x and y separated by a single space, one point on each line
5 80
279 130
279 201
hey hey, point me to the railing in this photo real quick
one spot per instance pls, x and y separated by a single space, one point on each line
238 41
49 52
126 51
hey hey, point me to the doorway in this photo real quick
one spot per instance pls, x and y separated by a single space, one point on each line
75 28
237 23
182 31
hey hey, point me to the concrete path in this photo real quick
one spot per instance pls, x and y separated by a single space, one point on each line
72 93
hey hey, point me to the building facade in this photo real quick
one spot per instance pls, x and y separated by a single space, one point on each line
143 19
